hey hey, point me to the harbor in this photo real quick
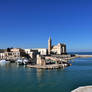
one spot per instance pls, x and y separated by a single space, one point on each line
53 57
40 68
53 66
15 78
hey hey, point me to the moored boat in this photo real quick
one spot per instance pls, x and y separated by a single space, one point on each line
3 62
25 61
22 61
19 61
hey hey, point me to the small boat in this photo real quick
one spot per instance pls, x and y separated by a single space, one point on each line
22 61
19 62
3 62
25 61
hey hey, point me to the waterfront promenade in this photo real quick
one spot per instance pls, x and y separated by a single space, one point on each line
53 66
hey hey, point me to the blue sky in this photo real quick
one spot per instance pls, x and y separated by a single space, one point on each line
29 23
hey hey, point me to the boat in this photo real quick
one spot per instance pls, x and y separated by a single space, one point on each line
25 61
22 61
4 62
19 61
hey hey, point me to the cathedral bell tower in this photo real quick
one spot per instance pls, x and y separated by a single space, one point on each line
49 45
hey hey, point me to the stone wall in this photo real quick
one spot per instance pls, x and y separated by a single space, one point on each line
40 60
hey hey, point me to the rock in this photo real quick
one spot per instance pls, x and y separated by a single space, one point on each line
83 89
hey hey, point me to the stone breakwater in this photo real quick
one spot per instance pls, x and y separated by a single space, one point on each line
51 62
52 66
83 89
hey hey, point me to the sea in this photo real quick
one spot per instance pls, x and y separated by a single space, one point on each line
14 78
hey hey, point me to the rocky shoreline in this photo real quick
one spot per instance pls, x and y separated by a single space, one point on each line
83 89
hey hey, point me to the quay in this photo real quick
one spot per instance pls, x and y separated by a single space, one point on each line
53 66
53 57
83 89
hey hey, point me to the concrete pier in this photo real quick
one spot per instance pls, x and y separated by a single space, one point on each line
83 89
52 66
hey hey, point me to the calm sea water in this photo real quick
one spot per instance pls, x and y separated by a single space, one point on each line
20 79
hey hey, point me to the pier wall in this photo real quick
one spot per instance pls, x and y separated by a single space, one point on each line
40 60
83 89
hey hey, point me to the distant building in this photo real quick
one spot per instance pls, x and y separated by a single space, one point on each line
16 50
41 51
2 55
31 53
56 49
27 51
13 54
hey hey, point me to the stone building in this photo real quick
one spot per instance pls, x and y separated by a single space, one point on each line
2 55
12 54
41 51
17 52
40 60
31 53
56 49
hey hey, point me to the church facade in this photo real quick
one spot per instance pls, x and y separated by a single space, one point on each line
58 49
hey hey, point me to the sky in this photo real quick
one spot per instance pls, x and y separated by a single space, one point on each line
29 23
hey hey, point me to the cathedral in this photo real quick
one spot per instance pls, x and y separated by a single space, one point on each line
58 49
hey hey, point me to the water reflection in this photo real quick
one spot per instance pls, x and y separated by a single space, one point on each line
4 63
38 80
39 73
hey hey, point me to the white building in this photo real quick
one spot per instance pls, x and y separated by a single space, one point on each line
13 54
2 55
42 51
33 52
27 51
